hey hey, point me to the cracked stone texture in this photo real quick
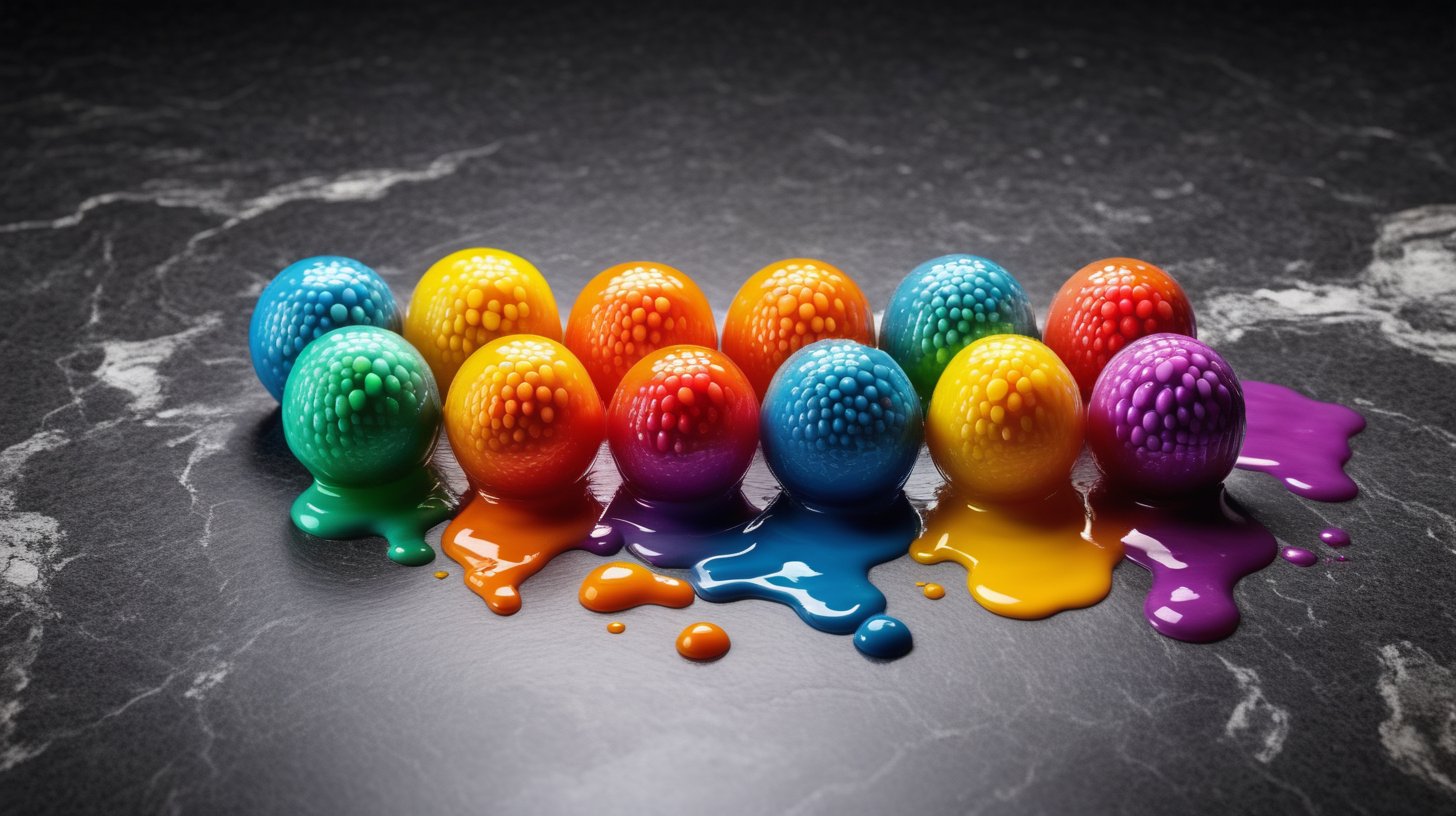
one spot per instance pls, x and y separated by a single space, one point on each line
169 643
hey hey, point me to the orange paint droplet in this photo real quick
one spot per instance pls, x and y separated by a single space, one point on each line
920 583
703 641
934 591
442 574
616 627
623 585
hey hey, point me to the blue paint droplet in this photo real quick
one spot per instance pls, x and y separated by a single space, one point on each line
884 637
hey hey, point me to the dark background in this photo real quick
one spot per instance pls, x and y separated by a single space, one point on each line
169 643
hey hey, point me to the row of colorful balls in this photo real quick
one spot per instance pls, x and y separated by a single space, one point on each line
841 420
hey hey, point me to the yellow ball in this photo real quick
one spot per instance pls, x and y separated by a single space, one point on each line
1006 421
524 418
470 298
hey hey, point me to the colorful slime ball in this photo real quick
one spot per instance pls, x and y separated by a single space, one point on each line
841 424
470 298
361 408
1109 304
630 311
307 300
788 305
683 424
944 305
524 419
1005 423
1166 417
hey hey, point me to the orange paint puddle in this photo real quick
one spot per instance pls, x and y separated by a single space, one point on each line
703 641
934 591
616 627
1027 560
442 575
623 585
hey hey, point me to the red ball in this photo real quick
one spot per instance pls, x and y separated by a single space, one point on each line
1109 304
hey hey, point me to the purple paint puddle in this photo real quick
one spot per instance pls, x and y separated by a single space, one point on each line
677 535
1299 557
1335 537
1303 443
1197 549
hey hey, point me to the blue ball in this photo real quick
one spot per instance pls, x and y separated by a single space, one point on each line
841 424
944 305
884 637
307 300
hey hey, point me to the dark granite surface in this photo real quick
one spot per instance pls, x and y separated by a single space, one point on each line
169 643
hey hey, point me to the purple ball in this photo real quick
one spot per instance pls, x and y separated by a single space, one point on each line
1166 417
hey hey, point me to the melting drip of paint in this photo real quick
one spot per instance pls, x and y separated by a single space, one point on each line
1026 560
884 637
401 511
677 534
1197 549
623 585
1335 537
814 560
1301 442
502 542
1299 556
703 641
934 591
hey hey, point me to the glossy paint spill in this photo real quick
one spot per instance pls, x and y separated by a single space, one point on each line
884 637
1303 443
401 511
1335 537
677 535
814 560
616 627
442 575
1299 557
703 641
623 585
1026 560
502 542
933 591
1197 549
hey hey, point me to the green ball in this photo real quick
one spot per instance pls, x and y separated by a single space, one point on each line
360 408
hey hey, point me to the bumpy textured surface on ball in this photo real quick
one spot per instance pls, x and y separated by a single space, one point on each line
1166 417
307 300
788 305
841 424
1005 422
523 418
361 408
1109 304
632 310
944 305
683 424
471 297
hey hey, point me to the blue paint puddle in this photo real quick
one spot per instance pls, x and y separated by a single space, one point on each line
677 535
815 560
884 637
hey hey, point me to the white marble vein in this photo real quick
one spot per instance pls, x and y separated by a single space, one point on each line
1420 734
1257 725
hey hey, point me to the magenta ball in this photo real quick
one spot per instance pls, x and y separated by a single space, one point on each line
1166 417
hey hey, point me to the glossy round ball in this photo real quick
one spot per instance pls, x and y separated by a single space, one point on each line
306 301
1005 423
1109 304
840 424
524 419
683 424
944 305
788 305
632 310
471 297
361 408
1166 417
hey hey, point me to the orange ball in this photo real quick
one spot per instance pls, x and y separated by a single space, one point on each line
525 419
788 305
632 310
1107 305
470 298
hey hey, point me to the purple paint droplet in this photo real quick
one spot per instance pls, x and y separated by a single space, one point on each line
1197 549
1302 442
1335 537
1299 557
